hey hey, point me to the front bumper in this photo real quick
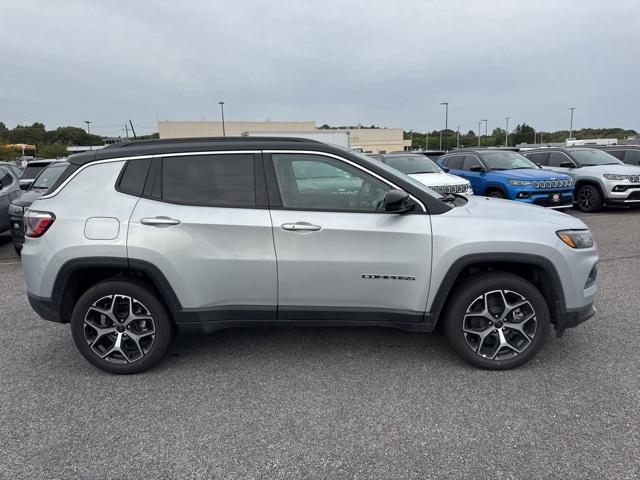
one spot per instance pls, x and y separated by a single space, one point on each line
622 193
570 318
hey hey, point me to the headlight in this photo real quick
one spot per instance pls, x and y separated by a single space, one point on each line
16 210
576 238
469 190
519 183
613 176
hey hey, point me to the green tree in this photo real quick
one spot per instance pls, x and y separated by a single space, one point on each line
8 154
53 150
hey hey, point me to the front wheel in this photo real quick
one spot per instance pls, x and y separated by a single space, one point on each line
497 320
495 194
589 199
121 327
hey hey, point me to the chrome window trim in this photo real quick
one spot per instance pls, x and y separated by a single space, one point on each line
353 164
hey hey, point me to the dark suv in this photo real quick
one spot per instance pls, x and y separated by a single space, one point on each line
629 154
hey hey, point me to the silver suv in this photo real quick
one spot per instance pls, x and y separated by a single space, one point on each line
600 178
138 240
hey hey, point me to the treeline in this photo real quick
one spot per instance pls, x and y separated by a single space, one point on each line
522 133
49 143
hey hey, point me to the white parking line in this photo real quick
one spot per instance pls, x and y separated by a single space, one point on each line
10 263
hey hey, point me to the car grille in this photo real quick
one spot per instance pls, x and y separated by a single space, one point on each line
450 188
552 183
634 178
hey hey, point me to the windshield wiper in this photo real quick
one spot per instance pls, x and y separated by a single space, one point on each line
416 173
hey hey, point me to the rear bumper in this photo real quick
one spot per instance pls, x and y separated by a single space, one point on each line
46 308
571 318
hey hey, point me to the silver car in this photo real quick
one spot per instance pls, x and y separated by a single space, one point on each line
138 240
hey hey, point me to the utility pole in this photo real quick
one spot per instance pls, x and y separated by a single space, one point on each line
126 129
571 124
224 133
506 136
426 142
89 132
411 132
458 141
479 132
446 123
534 136
486 127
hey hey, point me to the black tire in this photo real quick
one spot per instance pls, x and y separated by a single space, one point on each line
495 194
589 198
18 250
157 341
472 290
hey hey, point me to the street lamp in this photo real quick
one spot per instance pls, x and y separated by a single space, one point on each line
89 132
224 133
571 124
486 127
479 132
446 122
458 141
506 133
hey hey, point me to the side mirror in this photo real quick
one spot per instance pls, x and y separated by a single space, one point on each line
445 169
567 165
477 168
397 201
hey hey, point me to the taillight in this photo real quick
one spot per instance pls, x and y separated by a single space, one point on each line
37 223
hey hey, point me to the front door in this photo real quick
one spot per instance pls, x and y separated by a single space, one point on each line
340 257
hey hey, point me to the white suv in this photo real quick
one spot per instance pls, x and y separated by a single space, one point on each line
139 239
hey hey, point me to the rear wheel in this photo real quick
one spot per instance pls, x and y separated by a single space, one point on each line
121 327
497 321
589 198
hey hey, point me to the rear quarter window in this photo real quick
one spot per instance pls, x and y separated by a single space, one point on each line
133 176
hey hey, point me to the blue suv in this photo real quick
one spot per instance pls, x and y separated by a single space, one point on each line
507 174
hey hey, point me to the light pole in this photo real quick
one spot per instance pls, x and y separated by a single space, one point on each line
571 124
446 122
224 133
89 132
458 141
506 132
479 132
486 127
411 149
426 142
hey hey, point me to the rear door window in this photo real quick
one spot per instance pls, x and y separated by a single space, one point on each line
455 162
541 158
5 178
556 159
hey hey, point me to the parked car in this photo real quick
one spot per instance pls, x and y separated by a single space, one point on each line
9 190
427 172
432 154
32 170
600 179
15 169
204 234
503 173
40 185
629 154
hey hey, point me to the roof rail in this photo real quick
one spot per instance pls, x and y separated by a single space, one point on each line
165 141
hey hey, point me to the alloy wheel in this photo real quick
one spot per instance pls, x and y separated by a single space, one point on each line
586 198
119 329
499 324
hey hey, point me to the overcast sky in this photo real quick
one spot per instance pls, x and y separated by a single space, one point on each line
387 63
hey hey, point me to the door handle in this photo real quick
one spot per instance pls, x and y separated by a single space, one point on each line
159 221
300 227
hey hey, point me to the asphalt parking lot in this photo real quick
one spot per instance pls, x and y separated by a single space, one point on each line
330 403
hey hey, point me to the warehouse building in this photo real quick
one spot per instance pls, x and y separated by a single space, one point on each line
369 140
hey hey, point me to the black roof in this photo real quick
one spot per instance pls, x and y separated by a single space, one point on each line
177 145
614 147
483 149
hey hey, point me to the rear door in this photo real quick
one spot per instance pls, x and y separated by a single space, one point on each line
339 257
203 222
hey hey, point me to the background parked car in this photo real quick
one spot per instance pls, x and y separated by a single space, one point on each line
32 170
9 190
427 172
629 154
503 173
600 179
39 187
15 169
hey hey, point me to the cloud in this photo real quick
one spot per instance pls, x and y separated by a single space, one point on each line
388 63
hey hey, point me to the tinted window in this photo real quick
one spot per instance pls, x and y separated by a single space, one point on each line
539 158
619 154
455 162
134 176
49 175
316 182
471 161
632 157
556 159
32 171
209 180
5 178
411 164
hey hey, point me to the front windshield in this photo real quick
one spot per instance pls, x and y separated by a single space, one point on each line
507 161
588 157
393 171
49 175
412 164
